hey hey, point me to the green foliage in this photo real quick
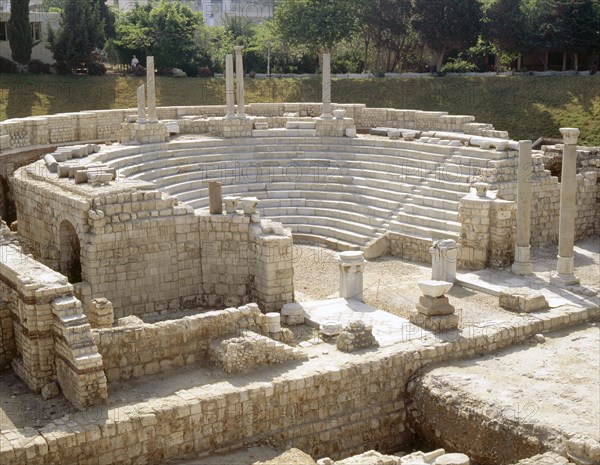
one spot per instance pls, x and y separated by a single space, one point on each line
445 25
458 65
81 32
19 31
318 24
505 25
8 66
52 5
170 31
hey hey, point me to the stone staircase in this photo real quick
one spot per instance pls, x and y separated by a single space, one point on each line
342 192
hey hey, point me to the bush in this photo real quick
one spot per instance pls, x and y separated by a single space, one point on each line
96 69
139 70
458 66
39 67
8 66
205 72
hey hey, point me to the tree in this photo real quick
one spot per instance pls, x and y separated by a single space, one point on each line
170 31
505 26
447 24
318 24
388 28
81 32
19 31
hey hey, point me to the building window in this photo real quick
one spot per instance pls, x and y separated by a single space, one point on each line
3 35
36 32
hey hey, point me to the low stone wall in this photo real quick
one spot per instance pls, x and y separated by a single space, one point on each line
134 351
356 405
106 124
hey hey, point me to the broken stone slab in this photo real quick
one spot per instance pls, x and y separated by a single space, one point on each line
434 288
130 320
452 459
522 300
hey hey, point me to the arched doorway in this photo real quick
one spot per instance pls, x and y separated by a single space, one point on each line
70 252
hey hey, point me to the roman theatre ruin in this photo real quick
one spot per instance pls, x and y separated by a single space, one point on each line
158 303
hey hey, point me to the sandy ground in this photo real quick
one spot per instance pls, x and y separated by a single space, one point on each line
555 383
390 283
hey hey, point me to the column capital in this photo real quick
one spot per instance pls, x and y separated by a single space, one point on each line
238 49
570 135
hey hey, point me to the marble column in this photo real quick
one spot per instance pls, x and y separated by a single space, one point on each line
352 265
522 263
239 71
565 274
229 86
151 94
141 104
326 85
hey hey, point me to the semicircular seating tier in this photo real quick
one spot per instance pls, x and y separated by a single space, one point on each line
337 191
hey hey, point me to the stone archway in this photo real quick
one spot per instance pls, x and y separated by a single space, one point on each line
70 252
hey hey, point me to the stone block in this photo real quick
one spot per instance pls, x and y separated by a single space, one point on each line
434 323
431 306
522 300
433 288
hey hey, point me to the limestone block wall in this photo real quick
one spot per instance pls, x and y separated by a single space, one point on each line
501 176
487 236
105 125
359 403
50 339
134 351
146 253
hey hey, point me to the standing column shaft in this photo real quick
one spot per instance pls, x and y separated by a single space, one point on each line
229 86
151 90
522 264
141 102
568 210
239 71
326 85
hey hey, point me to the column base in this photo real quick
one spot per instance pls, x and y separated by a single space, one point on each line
522 269
326 116
563 280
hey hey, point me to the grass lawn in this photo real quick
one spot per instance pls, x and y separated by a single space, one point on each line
527 107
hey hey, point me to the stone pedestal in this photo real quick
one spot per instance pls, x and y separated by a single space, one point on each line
292 314
239 71
565 276
444 255
522 264
229 86
434 311
351 275
215 197
326 86
151 94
